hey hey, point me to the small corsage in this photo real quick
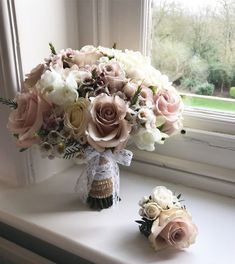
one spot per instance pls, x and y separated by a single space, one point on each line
165 221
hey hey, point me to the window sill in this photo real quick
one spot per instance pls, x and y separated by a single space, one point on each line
51 212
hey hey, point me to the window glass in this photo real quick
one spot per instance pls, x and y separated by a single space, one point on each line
193 42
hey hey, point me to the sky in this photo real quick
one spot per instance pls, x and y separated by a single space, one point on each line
194 5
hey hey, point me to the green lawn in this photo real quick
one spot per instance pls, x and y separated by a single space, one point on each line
228 106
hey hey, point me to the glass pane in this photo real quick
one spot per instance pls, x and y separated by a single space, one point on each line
193 42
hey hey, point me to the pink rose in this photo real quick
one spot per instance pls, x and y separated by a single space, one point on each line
114 75
86 56
108 127
27 118
168 108
173 228
33 77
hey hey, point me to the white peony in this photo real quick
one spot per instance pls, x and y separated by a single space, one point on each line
58 90
146 138
163 197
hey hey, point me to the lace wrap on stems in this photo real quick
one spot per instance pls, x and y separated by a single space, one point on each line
98 184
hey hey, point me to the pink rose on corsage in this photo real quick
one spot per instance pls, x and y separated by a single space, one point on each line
27 118
165 221
173 228
114 75
168 108
108 127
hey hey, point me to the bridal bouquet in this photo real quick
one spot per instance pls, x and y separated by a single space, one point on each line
165 221
87 104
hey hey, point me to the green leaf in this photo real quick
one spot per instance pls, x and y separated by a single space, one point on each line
94 73
23 149
178 197
153 88
52 48
135 96
139 222
9 102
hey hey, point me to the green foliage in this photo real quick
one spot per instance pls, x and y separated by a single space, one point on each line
189 84
218 75
10 103
100 203
197 69
232 92
52 48
171 57
198 46
145 226
135 97
205 89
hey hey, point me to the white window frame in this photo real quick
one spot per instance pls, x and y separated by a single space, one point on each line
203 157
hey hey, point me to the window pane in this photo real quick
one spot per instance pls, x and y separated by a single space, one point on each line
193 42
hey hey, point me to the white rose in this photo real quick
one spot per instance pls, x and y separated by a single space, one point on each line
155 78
58 91
131 59
146 138
151 211
80 75
163 197
88 48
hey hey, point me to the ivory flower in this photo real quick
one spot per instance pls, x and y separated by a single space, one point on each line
145 139
163 197
76 117
57 90
151 210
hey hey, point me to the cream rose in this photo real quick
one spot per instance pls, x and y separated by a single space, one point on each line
86 56
108 127
151 210
76 117
173 228
27 118
163 197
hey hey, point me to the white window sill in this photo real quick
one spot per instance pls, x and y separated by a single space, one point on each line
51 211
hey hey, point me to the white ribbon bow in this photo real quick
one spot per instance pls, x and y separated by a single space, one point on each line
97 171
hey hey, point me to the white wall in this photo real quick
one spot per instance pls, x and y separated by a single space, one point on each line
25 35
